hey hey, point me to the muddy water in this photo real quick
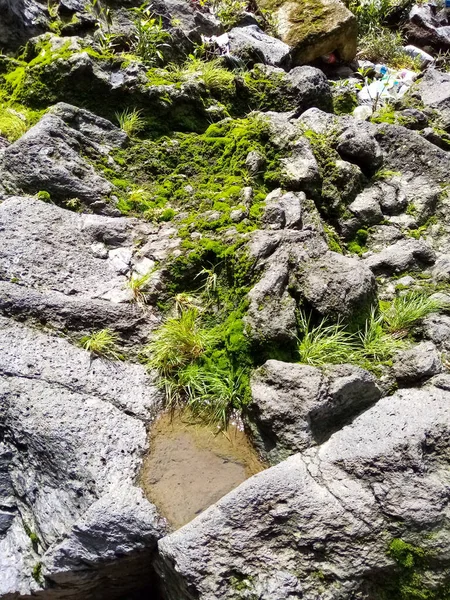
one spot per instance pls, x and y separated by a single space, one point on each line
191 466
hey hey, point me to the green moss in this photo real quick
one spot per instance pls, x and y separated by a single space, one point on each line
333 240
410 581
345 102
36 573
358 244
423 229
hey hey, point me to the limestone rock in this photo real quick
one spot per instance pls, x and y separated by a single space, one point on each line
314 28
298 406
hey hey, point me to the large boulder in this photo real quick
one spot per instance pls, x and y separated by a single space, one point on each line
70 270
49 157
314 28
295 406
427 27
404 255
73 437
323 523
20 21
337 286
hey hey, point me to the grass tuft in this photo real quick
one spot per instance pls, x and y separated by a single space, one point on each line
406 311
137 284
102 343
131 121
326 343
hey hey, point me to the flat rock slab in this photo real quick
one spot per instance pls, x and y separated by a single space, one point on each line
333 510
73 438
69 269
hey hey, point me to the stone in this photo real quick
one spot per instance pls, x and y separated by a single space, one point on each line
337 286
50 273
428 28
299 168
251 43
333 509
404 255
283 210
255 163
296 406
434 91
49 156
436 328
366 207
21 21
412 118
75 432
358 146
416 364
311 88
322 27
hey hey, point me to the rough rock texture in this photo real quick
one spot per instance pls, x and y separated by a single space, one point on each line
434 90
21 20
427 27
252 44
51 269
48 157
405 255
417 364
333 510
297 406
337 285
73 433
314 29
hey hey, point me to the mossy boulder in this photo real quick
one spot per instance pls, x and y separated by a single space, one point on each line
314 28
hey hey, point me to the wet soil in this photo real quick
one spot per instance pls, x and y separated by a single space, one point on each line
191 466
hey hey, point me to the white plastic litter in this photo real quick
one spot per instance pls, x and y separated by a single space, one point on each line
425 58
390 85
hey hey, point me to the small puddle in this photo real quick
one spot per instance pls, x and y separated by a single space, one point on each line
191 466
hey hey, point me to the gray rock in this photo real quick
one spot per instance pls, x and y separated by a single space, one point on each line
404 255
299 169
441 269
356 145
333 509
428 28
366 207
50 274
441 140
297 406
437 329
283 210
417 364
337 286
311 88
252 43
255 163
412 118
75 433
21 21
392 197
49 156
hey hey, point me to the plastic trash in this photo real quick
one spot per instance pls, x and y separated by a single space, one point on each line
389 85
426 59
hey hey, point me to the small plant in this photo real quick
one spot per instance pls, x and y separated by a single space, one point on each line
229 12
44 196
137 284
36 573
216 78
149 36
131 121
211 393
179 342
406 311
376 344
326 343
102 343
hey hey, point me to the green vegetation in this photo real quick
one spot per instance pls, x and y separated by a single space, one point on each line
15 120
44 196
377 42
149 37
102 343
406 311
372 345
36 573
325 343
137 284
410 581
131 121
358 244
